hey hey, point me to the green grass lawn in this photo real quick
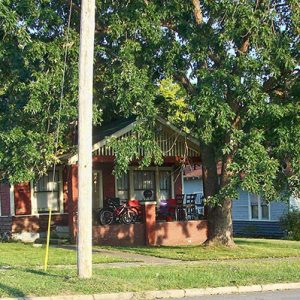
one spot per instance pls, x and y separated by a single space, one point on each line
32 282
24 277
25 255
245 248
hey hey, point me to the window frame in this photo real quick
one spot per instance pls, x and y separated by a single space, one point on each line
117 190
34 200
260 203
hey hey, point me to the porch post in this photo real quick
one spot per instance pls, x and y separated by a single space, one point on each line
12 199
150 221
73 200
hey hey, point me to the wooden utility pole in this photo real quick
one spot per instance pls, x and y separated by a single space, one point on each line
86 57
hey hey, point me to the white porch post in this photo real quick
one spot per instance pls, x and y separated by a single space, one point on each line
12 200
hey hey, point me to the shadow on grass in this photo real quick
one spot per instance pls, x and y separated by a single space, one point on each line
11 291
41 273
265 243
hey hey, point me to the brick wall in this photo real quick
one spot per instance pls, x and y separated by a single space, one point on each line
37 223
152 233
108 181
119 235
180 233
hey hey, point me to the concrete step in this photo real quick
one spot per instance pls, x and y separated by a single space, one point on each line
53 241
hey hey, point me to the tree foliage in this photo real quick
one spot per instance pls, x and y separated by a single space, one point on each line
225 71
32 46
233 65
230 79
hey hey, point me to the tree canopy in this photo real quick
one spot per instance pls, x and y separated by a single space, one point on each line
225 71
32 47
231 68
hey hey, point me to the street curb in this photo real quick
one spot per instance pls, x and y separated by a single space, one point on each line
165 294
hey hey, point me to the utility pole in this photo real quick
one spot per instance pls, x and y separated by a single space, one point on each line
86 58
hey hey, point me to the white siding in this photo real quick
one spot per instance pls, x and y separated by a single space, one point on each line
277 209
240 206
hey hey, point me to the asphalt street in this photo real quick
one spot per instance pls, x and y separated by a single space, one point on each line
276 295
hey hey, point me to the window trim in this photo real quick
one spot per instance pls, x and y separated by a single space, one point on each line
34 210
259 204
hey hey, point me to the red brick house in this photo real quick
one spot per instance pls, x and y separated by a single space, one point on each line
24 207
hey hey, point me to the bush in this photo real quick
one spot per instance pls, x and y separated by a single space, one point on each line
290 222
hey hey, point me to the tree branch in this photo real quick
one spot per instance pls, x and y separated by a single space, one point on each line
272 83
245 44
185 82
214 57
197 12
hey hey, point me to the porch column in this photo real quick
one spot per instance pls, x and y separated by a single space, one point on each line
73 200
150 221
12 200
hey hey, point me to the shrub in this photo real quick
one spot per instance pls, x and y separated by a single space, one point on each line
290 222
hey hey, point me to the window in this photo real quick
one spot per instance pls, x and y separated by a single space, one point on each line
254 199
143 180
47 192
165 185
122 187
259 208
264 210
131 185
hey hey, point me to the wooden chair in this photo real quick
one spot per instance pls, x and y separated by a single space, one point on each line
180 211
190 205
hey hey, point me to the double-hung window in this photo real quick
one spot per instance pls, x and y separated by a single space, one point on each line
259 208
123 187
47 192
165 184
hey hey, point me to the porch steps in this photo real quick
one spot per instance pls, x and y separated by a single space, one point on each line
53 241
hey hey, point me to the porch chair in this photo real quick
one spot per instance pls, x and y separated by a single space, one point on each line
171 206
190 204
180 211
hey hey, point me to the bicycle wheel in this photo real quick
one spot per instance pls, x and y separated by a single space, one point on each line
106 217
128 217
137 216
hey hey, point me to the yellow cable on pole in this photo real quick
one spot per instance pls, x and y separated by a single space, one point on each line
48 241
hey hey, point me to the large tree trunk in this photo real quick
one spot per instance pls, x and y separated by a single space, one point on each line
220 225
218 216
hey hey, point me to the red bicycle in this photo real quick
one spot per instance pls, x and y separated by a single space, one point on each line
117 213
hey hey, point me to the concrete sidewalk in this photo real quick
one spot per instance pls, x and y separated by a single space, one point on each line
136 260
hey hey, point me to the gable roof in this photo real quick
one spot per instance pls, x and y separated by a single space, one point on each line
101 132
123 127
